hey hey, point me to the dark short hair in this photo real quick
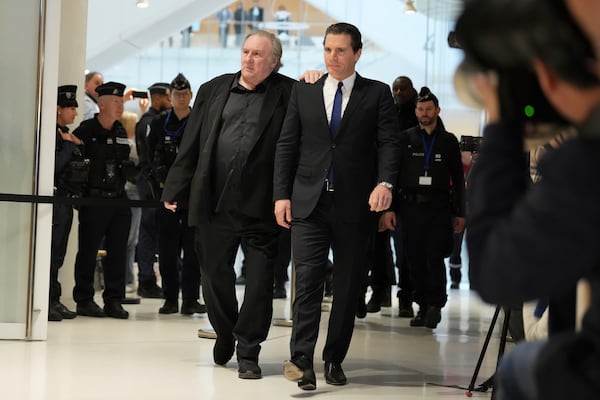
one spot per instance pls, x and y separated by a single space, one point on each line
406 78
342 28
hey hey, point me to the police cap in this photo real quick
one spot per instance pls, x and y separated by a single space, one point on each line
159 88
426 95
180 83
67 96
110 88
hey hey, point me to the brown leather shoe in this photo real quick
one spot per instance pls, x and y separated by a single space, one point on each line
300 369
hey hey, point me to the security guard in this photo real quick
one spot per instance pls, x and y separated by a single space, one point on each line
107 148
431 166
70 174
174 234
160 100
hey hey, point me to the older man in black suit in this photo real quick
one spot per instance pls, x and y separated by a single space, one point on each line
224 168
332 174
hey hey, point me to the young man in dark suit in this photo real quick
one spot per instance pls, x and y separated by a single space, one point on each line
332 174
224 170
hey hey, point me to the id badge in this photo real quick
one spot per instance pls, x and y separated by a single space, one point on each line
425 180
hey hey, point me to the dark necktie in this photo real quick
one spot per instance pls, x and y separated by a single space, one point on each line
336 112
334 124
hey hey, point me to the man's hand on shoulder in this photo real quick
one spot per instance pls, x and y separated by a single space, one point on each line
311 76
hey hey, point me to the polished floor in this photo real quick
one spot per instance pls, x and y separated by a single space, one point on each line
152 356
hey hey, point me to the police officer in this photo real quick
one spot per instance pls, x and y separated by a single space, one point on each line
70 173
431 165
160 100
107 148
174 234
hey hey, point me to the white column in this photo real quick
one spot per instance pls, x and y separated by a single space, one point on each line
71 71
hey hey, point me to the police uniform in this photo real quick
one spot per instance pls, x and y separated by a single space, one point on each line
174 234
108 151
147 246
431 166
70 172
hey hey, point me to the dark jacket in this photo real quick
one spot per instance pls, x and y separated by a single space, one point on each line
446 167
526 242
364 152
190 175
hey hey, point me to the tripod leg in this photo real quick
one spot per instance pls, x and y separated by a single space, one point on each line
502 342
483 350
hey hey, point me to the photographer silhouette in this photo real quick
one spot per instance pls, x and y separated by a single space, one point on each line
527 241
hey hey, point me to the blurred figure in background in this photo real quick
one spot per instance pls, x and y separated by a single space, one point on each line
529 241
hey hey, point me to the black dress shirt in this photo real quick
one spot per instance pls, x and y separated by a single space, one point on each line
239 122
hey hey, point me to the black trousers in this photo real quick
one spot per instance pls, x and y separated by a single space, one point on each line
147 246
112 223
284 255
382 275
312 238
62 218
405 286
429 240
174 235
217 244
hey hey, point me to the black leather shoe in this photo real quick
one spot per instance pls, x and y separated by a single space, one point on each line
149 290
90 309
223 350
374 305
419 319
170 307
300 370
433 317
114 309
334 374
64 312
189 307
54 315
248 369
405 309
279 292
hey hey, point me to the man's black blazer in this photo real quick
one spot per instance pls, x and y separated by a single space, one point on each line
189 180
365 151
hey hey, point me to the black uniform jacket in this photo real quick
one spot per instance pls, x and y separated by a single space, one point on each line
445 168
530 241
190 175
364 152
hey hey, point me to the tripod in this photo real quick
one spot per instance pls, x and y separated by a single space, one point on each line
490 381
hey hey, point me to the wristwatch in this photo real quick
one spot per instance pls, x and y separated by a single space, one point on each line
387 185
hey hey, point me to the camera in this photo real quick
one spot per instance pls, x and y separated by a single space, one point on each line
470 143
504 37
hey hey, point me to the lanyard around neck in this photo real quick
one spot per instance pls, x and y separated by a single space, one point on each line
427 150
